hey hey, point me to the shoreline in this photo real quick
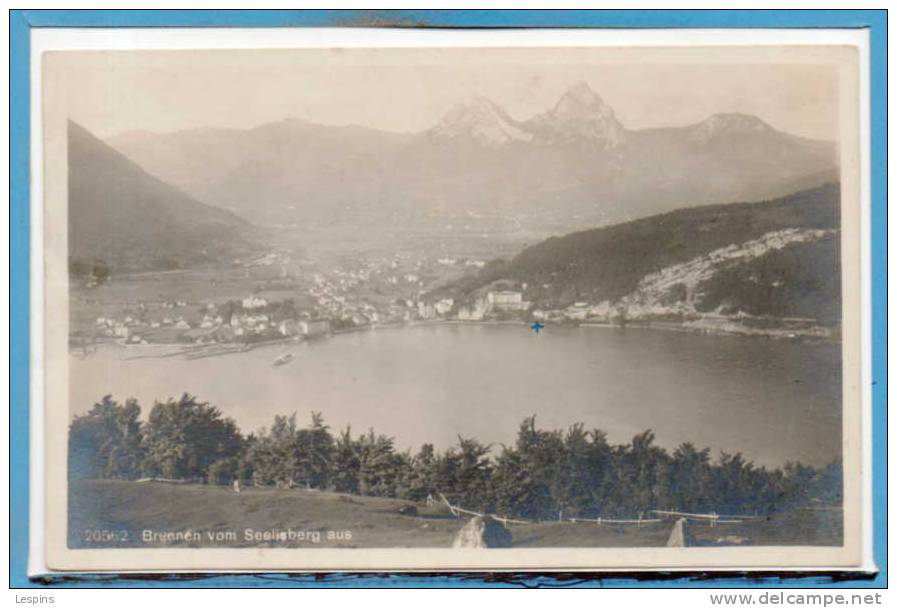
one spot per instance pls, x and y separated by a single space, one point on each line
193 351
741 332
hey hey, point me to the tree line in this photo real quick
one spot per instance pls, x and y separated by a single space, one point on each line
575 472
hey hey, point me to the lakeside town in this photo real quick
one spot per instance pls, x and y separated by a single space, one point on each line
285 300
275 298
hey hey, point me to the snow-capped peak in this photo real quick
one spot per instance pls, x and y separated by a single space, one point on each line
579 117
483 120
581 101
580 114
729 123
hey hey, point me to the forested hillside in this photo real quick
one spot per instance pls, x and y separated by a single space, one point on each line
778 257
123 218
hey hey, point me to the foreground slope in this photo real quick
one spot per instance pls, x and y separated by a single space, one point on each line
131 220
114 505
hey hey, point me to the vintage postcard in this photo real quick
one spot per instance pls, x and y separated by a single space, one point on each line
452 308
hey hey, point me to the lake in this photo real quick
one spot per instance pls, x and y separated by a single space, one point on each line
774 400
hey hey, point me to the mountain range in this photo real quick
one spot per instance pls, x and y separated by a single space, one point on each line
571 166
130 220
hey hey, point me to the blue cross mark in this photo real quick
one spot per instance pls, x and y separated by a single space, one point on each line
537 327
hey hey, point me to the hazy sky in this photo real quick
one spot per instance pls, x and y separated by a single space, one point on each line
410 90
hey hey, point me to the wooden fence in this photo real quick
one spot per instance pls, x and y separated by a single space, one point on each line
167 480
456 511
712 518
622 522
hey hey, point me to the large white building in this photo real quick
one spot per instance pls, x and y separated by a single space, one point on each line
506 300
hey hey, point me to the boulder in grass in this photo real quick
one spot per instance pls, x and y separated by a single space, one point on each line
680 536
409 510
483 533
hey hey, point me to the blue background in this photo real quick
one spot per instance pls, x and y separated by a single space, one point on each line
21 22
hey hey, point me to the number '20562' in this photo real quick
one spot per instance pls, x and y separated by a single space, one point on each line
104 536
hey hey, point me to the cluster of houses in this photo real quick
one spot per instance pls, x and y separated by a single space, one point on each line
467 263
441 308
336 291
252 321
511 301
133 330
125 330
341 299
410 279
333 305
136 328
333 293
580 311
249 321
253 318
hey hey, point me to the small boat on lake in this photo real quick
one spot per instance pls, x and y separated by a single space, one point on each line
283 359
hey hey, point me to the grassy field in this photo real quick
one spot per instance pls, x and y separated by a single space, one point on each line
108 513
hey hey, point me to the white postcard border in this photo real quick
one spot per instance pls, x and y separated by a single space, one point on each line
183 38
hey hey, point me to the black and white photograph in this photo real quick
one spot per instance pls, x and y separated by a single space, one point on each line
324 301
